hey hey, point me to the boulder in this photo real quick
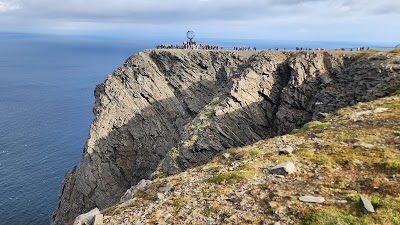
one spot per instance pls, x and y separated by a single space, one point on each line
286 150
98 219
167 188
312 199
141 186
285 168
366 204
87 218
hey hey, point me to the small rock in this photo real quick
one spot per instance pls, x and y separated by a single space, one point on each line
281 140
167 188
160 196
366 204
380 110
87 218
235 200
356 115
129 202
98 219
331 200
273 204
365 145
312 199
226 155
287 150
277 223
284 168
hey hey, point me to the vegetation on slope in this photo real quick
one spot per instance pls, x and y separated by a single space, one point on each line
354 151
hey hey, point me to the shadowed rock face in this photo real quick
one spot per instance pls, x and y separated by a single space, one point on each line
165 111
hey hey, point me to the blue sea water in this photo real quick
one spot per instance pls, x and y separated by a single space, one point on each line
46 100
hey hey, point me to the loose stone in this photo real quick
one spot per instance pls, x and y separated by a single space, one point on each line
366 204
285 168
312 199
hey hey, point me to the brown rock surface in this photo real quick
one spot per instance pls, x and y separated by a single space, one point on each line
165 111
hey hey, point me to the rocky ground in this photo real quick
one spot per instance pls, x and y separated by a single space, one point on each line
351 152
164 112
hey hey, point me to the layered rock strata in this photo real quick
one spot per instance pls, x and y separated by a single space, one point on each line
165 111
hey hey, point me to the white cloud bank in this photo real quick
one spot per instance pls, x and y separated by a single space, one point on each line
290 19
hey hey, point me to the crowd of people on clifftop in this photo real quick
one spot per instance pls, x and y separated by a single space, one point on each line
336 49
190 45
195 46
245 48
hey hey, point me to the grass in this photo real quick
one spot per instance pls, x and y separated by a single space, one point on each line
330 150
330 216
228 178
394 89
341 151
344 165
179 202
395 51
202 120
366 53
315 126
387 213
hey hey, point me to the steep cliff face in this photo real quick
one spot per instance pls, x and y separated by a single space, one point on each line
165 111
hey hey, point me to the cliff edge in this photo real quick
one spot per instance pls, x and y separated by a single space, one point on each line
165 111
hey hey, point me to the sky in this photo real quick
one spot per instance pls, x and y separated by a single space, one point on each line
322 20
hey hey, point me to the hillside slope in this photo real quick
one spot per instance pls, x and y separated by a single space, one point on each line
166 111
354 151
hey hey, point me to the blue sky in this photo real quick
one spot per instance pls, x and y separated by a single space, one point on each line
323 20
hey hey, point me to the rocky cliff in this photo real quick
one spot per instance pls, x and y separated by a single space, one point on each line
165 111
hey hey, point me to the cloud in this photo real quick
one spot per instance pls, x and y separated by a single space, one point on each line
6 6
227 16
182 11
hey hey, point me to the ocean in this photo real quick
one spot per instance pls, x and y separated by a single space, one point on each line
46 100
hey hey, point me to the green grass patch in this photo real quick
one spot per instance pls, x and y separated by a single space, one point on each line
365 54
349 136
202 120
394 89
228 178
179 203
387 212
315 126
390 166
255 152
330 216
